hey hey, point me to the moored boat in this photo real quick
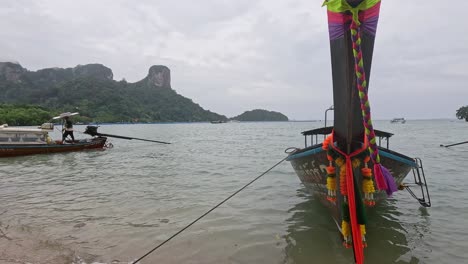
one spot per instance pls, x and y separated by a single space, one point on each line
351 170
310 164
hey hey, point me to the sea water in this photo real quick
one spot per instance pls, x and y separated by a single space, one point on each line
115 205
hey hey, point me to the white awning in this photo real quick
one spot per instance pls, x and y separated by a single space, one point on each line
62 115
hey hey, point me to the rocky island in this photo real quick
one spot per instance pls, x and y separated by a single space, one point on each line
261 115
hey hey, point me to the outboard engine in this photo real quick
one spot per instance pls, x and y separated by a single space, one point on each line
91 130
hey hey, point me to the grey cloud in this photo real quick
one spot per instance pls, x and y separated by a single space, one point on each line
232 56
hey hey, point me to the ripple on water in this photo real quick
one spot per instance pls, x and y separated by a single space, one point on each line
101 206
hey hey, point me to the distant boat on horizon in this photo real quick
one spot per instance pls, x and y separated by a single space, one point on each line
398 120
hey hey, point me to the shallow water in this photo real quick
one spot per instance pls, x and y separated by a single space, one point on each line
116 204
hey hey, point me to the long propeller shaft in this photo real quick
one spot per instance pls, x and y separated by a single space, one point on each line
454 144
130 138
92 130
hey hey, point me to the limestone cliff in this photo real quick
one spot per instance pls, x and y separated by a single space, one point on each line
159 77
11 72
91 89
14 72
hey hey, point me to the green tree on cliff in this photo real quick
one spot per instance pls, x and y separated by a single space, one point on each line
462 113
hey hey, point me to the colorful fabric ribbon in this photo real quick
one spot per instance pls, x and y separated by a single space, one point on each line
383 177
365 17
338 22
353 207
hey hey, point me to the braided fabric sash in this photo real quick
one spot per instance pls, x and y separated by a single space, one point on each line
383 177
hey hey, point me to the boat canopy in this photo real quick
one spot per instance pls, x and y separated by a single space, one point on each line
66 114
25 135
327 130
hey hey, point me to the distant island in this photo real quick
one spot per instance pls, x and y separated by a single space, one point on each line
260 115
91 90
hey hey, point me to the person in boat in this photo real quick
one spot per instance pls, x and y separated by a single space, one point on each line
68 129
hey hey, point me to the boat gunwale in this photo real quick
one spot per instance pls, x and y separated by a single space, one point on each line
391 154
328 130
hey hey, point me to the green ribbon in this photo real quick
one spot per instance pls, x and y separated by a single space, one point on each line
340 6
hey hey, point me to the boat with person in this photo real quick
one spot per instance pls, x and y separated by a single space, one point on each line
21 141
349 166
400 120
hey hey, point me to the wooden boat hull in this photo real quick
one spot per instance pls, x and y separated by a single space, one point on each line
12 150
341 173
310 166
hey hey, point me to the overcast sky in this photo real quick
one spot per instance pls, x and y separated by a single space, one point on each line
230 56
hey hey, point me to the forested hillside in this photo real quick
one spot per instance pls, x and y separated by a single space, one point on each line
91 90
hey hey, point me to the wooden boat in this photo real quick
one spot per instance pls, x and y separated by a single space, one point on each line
310 164
351 170
19 141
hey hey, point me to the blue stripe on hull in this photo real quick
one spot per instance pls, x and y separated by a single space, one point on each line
397 158
305 153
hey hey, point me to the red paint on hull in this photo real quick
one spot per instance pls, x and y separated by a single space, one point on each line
22 150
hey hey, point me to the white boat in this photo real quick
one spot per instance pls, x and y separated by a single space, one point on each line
398 120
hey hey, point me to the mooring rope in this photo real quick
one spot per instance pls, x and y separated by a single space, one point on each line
209 211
